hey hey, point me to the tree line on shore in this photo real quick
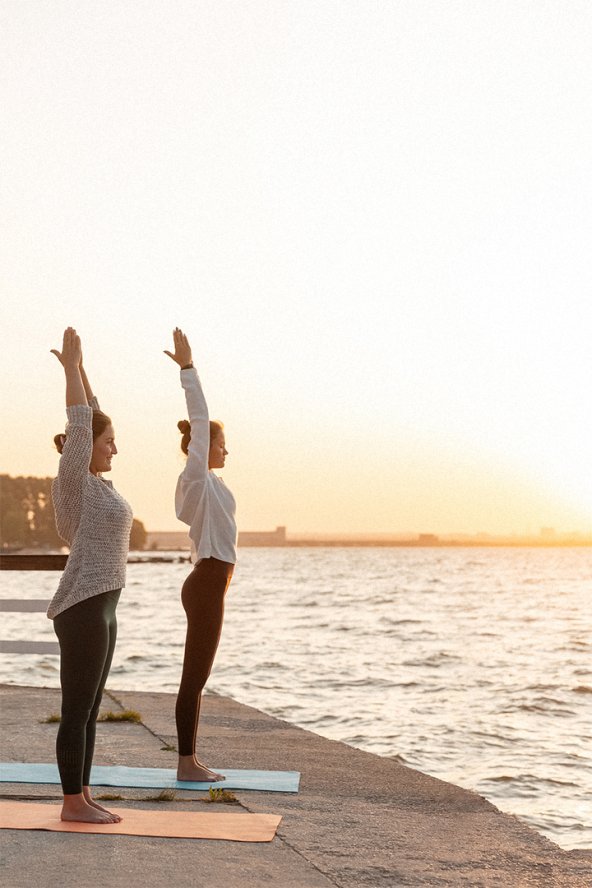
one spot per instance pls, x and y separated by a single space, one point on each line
27 518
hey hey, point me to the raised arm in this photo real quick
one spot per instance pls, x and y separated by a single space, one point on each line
70 358
192 481
90 397
75 460
196 468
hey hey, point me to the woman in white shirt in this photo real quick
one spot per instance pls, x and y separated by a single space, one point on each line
202 501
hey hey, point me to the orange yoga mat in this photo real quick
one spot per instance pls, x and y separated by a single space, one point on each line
140 822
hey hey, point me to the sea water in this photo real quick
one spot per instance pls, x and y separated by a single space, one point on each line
471 664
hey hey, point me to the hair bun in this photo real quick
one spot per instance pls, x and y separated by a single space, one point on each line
184 426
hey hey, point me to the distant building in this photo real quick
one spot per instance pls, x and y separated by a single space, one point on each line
427 539
275 537
165 539
173 539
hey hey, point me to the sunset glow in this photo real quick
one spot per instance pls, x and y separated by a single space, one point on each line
373 222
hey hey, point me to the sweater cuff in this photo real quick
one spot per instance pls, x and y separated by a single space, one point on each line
79 415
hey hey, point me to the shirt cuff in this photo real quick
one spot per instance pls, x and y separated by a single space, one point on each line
79 415
189 375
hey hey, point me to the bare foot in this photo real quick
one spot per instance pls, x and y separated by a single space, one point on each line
190 768
94 804
77 809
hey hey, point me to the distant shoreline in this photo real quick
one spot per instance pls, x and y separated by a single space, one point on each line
396 544
279 538
420 544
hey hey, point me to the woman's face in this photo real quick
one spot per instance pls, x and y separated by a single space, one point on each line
103 451
218 451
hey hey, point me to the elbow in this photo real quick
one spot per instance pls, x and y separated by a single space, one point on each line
184 516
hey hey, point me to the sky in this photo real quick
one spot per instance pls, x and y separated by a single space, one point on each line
372 219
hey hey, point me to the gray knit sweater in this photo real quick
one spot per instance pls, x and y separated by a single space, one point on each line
91 517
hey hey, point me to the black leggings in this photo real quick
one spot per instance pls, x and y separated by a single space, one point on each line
203 599
86 632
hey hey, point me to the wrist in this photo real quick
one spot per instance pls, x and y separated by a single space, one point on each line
188 366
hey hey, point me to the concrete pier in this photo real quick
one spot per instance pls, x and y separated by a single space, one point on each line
359 820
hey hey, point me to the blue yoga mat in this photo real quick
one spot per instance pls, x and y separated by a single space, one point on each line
153 778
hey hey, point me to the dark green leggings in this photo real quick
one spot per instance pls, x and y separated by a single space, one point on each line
87 632
203 599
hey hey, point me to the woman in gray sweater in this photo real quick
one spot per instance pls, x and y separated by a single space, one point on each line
95 521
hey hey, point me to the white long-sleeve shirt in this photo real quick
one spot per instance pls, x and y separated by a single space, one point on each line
91 517
202 500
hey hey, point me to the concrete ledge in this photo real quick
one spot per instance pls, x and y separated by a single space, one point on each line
359 820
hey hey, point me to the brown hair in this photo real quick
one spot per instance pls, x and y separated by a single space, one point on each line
100 421
185 428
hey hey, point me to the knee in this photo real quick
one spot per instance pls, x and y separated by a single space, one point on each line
192 684
94 711
75 718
